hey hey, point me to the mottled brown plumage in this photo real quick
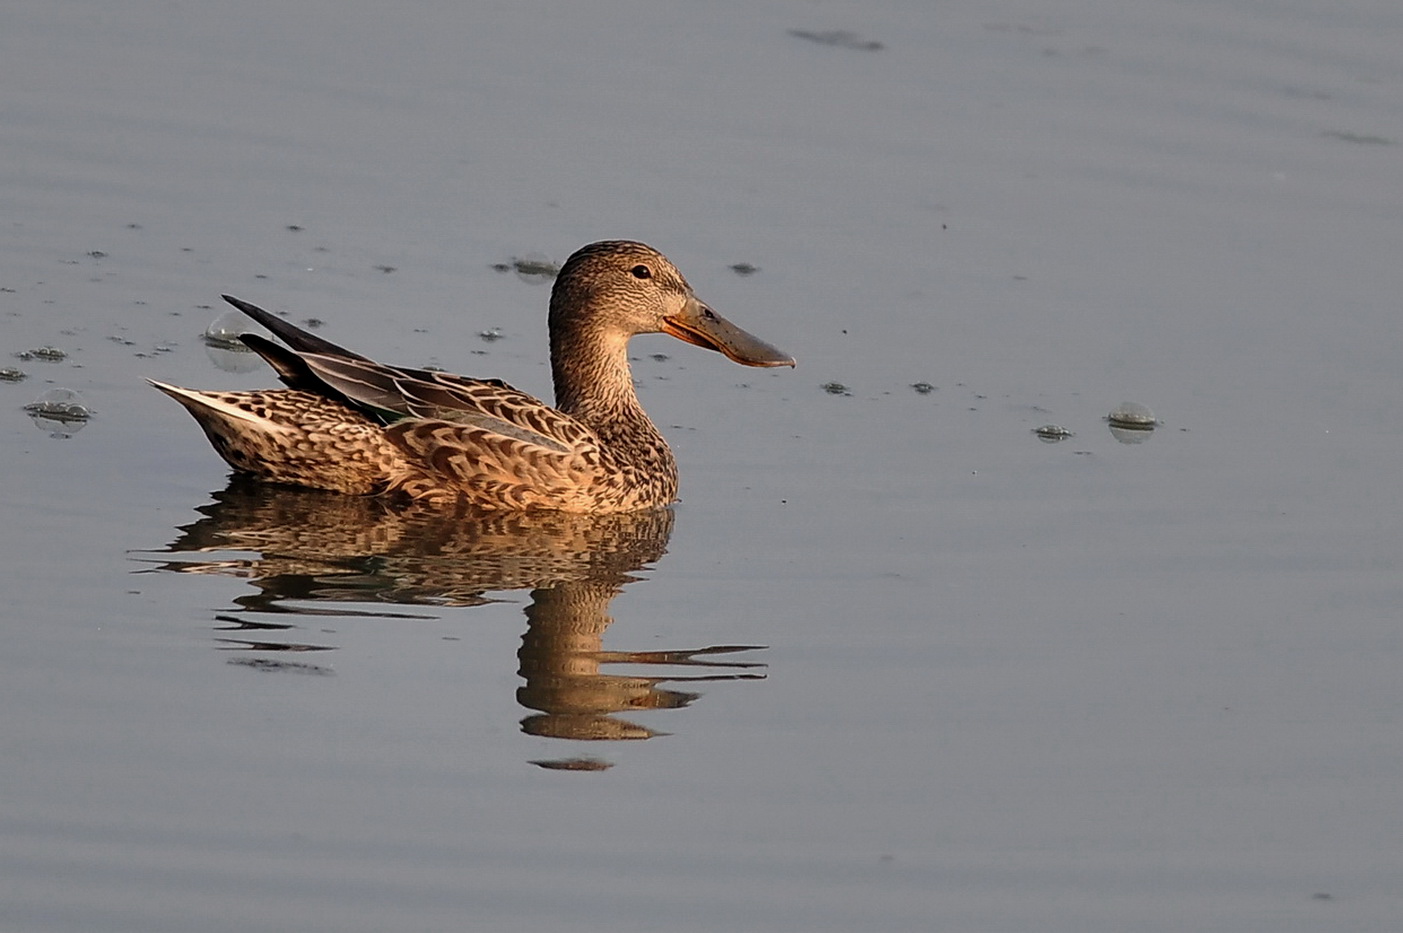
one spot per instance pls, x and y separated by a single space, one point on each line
349 424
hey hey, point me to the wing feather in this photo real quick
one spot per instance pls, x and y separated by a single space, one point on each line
457 434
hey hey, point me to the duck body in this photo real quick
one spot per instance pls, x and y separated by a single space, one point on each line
352 425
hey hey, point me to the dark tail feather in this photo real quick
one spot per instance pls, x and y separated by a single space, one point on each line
291 368
290 334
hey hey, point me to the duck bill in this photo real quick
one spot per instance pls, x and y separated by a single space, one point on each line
697 324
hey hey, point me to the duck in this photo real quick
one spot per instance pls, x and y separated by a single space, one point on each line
348 424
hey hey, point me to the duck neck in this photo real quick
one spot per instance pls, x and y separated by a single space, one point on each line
594 384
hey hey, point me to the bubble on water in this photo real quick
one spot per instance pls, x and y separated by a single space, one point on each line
1052 433
223 346
1131 423
224 331
231 360
1132 415
61 412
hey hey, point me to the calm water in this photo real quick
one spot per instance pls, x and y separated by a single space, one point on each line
894 663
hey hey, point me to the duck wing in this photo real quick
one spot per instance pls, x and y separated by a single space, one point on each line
469 433
390 393
495 406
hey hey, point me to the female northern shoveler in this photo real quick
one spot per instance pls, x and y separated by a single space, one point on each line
349 424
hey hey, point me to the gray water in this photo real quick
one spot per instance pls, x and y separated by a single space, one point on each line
1118 682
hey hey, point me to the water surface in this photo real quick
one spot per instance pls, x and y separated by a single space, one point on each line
990 683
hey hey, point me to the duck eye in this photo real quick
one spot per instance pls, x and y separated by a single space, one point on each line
642 272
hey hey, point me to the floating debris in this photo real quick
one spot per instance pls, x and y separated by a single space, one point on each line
1052 433
97 254
490 336
835 388
532 269
841 38
923 388
61 412
744 268
268 665
147 354
661 357
387 269
1361 138
12 374
574 764
312 323
46 354
295 228
1133 417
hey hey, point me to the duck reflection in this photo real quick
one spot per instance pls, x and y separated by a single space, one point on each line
316 549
